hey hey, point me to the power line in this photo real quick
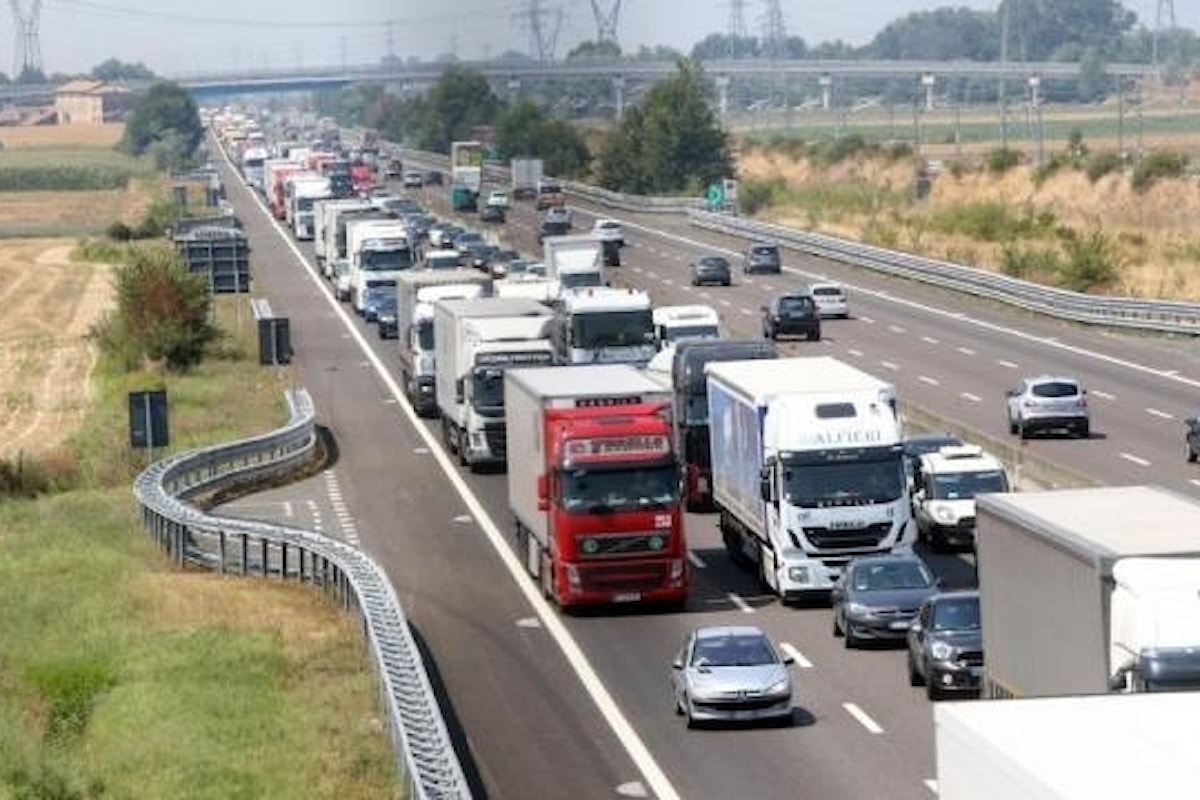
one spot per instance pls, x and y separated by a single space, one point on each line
774 30
28 49
543 33
737 19
606 23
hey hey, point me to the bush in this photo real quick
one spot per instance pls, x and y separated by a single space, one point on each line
758 193
63 178
1092 262
1155 166
1097 165
993 221
1026 262
1001 159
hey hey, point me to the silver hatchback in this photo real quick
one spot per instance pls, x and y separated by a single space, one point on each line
1048 403
731 673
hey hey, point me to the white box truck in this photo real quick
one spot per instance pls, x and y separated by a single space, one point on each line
1069 748
526 173
325 214
475 341
303 192
416 292
807 468
1087 591
574 261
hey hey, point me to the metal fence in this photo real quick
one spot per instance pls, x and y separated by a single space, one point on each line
422 745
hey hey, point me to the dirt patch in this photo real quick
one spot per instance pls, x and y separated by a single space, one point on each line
46 358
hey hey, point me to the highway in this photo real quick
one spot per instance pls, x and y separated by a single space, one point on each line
548 705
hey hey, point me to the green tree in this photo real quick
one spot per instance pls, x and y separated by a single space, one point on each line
672 143
114 70
162 311
943 34
525 130
460 100
166 122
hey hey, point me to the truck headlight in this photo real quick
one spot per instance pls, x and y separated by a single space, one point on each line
656 543
799 575
590 546
943 514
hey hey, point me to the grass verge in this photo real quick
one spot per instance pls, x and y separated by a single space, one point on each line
121 677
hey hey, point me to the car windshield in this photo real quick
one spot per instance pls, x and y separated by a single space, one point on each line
965 485
740 650
586 490
680 332
886 576
829 292
1054 389
715 262
575 280
957 614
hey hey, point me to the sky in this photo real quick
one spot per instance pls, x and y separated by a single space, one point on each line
181 38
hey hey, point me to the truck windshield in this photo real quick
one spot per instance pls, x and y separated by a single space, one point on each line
674 334
856 483
965 485
487 390
627 488
612 329
385 260
304 204
571 280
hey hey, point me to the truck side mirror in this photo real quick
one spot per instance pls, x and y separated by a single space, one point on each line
543 493
458 390
764 483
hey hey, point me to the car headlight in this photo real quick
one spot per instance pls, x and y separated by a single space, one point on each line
781 687
702 696
857 609
941 651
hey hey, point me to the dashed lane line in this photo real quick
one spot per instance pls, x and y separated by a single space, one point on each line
862 717
797 656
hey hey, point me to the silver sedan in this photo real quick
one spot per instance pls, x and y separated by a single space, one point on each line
731 673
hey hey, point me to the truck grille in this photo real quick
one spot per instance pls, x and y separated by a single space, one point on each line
497 440
622 544
966 524
848 538
624 577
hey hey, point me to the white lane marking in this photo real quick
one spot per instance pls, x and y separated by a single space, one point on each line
632 789
929 340
1195 482
1154 412
855 353
705 296
529 622
463 519
929 380
696 560
931 785
624 731
974 398
871 725
1102 395
896 329
868 320
742 605
768 287
421 451
966 351
287 509
725 303
650 274
797 656
638 270
746 311
668 282
1006 364
1141 462
892 365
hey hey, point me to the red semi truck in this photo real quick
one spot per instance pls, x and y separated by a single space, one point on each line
593 482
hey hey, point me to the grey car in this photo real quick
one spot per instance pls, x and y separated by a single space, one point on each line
877 597
731 673
711 269
945 645
1048 403
762 257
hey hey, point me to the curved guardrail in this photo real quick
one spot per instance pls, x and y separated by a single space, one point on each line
1152 315
422 745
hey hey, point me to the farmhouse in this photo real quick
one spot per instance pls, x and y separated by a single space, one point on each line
90 102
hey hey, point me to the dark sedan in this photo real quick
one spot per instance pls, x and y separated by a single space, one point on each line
1192 438
945 645
877 597
711 269
791 315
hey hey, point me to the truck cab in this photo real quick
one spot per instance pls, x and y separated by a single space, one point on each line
603 325
944 489
675 323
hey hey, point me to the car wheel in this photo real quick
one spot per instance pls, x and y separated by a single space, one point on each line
849 639
1191 454
1084 430
933 691
678 707
837 625
1012 426
1023 429
914 675
814 336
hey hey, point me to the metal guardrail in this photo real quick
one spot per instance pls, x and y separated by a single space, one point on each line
1163 316
421 743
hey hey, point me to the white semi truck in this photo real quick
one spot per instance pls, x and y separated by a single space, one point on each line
416 292
475 341
603 325
378 250
807 468
303 191
325 215
1087 591
1069 748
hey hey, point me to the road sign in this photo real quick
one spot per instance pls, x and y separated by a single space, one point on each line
715 195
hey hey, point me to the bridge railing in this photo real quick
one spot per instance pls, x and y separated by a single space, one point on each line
423 750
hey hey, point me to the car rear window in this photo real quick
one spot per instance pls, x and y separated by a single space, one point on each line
827 291
795 304
764 250
1055 389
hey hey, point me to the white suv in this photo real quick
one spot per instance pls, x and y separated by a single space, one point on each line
608 230
945 486
1048 403
830 299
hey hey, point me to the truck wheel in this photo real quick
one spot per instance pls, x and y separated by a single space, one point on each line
1191 455
447 439
546 578
914 675
462 447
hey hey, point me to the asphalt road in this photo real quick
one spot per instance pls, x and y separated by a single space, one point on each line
547 705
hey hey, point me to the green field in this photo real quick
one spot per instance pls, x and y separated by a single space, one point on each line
122 677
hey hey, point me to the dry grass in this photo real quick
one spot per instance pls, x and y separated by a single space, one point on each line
55 136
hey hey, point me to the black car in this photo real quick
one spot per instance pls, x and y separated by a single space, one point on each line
762 257
945 645
432 178
552 227
1192 438
385 316
711 269
492 214
791 315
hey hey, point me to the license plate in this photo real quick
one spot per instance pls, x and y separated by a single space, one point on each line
900 625
627 597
